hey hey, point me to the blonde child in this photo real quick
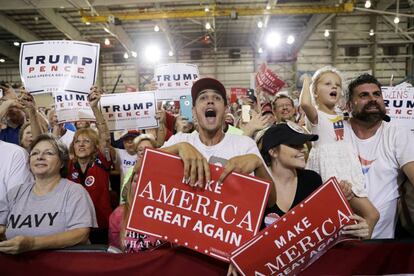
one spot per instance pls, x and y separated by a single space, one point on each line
331 155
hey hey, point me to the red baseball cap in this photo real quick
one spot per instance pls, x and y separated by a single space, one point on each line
208 83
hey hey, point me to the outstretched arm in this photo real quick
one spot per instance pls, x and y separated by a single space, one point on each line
306 101
104 135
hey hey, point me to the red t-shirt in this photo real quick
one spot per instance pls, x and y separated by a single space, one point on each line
96 181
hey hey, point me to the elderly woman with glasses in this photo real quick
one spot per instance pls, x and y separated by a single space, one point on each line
50 213
91 164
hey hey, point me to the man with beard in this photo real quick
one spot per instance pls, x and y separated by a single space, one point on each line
384 150
210 144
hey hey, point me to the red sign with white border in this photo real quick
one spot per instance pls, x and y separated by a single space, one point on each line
214 220
299 238
268 80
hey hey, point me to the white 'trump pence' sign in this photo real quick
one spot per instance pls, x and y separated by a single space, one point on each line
174 80
72 107
399 102
59 66
127 111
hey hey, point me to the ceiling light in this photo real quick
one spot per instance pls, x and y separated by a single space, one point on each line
152 53
107 41
260 50
107 30
16 43
326 33
268 7
396 20
208 26
126 56
156 28
260 24
2 60
273 39
367 4
206 9
170 53
290 39
371 32
134 54
87 23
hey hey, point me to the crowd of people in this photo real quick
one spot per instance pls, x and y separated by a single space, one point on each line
63 184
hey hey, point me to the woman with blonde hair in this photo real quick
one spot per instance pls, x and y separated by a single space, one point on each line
91 164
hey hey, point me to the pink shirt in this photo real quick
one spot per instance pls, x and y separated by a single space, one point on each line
133 241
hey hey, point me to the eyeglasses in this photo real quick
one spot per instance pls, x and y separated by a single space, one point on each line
46 153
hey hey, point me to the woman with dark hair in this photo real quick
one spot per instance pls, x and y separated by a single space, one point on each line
283 150
50 213
90 166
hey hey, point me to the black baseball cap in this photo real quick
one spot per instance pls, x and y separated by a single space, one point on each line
285 133
208 83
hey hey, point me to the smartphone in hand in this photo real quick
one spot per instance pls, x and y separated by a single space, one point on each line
246 113
186 106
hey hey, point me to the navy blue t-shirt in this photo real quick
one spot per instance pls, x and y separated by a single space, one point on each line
10 135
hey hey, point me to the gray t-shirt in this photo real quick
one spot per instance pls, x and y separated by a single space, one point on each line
67 207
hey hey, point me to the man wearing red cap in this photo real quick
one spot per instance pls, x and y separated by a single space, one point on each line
210 144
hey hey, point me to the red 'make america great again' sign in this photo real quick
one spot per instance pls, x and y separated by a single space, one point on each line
214 220
299 238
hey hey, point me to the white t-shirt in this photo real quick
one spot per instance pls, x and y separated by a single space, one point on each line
125 161
382 157
14 167
232 145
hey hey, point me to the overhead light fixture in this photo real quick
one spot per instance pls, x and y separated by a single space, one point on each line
152 53
107 30
206 9
367 4
16 43
326 33
290 39
107 42
126 56
134 54
170 53
371 32
156 28
208 26
260 50
396 20
273 39
268 7
2 60
260 24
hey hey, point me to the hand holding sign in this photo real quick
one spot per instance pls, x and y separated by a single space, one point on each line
241 164
27 100
94 96
196 168
359 230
